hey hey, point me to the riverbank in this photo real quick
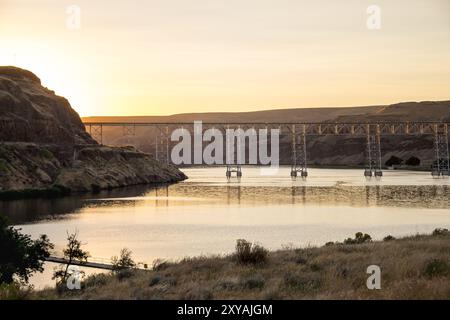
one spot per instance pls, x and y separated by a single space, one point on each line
415 267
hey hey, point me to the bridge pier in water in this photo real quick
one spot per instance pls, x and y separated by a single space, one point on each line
373 153
234 169
299 153
441 166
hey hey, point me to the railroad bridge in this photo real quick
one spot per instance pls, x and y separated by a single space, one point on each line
299 133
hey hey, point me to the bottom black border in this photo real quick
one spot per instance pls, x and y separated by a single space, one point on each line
229 309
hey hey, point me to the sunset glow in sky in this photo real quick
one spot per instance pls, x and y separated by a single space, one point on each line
158 57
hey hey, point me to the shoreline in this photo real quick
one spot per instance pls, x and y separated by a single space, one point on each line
413 267
58 191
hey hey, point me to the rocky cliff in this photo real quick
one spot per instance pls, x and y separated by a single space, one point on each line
43 144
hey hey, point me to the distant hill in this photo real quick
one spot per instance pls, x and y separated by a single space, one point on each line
406 111
322 151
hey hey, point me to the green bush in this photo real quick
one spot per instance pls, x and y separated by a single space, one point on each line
253 282
388 238
441 232
45 153
359 238
436 268
303 282
413 161
14 291
124 274
20 256
159 265
197 294
155 280
393 161
3 165
124 261
95 280
248 253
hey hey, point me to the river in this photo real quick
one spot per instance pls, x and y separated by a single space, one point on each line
206 214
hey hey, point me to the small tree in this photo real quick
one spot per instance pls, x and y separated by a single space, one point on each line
250 253
19 255
413 161
72 253
359 238
393 161
124 261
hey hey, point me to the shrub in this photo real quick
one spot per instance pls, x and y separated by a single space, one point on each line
197 294
72 252
388 238
413 161
20 256
315 267
97 279
359 238
159 265
124 274
272 295
436 268
393 161
3 165
303 282
154 280
253 282
226 284
124 261
301 260
441 232
14 291
45 153
248 253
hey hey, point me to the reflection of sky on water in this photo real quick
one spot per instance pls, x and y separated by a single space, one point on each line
206 214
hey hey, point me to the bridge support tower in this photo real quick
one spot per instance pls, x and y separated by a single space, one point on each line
299 166
162 152
373 153
234 169
441 165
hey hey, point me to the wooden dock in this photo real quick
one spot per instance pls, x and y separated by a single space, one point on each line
89 264
96 263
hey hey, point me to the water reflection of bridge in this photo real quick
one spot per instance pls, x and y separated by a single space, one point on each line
299 132
408 196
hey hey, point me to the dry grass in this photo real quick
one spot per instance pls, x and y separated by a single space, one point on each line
412 268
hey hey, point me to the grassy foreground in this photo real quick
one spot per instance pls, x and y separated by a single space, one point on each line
416 267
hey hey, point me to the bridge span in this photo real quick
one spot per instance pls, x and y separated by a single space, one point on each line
299 132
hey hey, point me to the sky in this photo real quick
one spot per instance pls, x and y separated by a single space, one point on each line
160 57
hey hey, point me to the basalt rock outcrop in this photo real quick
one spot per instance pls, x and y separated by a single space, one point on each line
44 144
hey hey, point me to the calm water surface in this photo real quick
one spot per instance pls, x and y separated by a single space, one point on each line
206 213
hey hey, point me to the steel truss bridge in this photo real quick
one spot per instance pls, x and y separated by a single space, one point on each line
299 133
